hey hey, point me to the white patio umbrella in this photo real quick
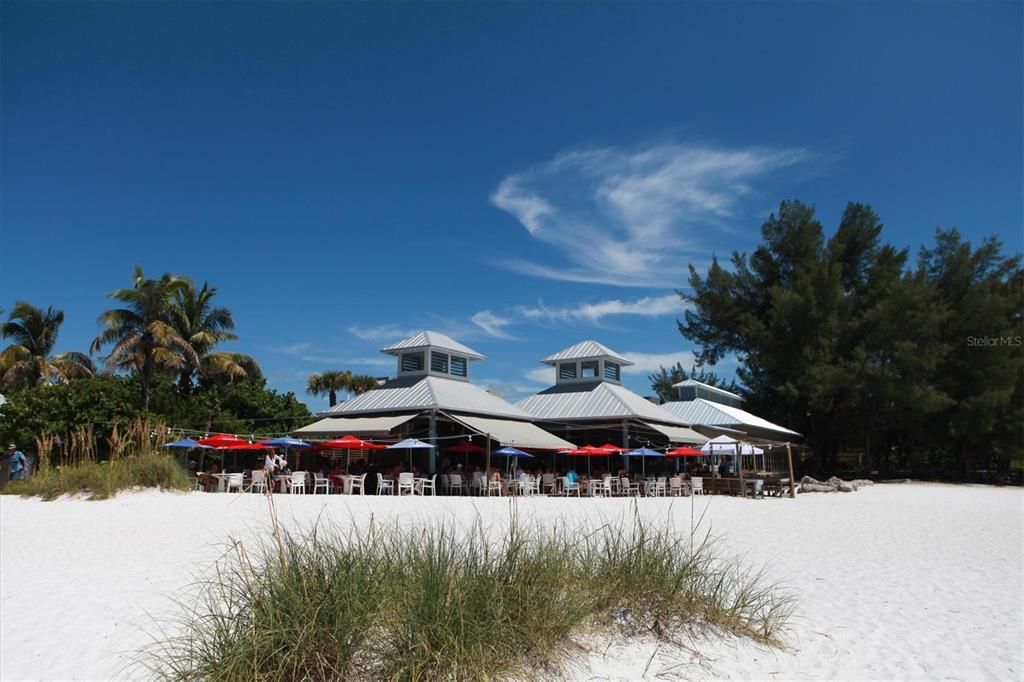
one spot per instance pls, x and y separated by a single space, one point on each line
410 444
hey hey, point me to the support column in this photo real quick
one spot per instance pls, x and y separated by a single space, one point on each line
792 483
432 466
625 443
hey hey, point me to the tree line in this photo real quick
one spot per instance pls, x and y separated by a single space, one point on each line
900 364
162 358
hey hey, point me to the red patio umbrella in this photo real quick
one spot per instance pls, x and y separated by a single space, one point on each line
348 443
467 447
684 452
222 441
610 449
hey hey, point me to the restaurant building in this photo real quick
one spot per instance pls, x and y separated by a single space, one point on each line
589 405
715 411
431 398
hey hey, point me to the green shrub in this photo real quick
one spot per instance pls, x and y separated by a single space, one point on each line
398 603
100 480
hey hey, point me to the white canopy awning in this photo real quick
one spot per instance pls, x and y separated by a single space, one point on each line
519 434
340 426
723 445
678 434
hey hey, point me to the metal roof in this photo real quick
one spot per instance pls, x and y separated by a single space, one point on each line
517 433
434 340
338 426
584 350
679 434
595 400
406 394
707 387
702 412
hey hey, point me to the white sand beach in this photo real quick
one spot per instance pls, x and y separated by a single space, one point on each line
908 581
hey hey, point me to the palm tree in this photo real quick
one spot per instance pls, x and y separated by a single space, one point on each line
329 383
28 361
204 326
144 340
361 383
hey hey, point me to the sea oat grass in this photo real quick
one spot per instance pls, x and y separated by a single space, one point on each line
101 480
446 604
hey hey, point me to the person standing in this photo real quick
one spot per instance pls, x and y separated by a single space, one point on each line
18 462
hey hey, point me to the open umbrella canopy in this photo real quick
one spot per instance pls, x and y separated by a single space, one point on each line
285 442
720 444
467 447
410 443
348 443
245 446
684 452
509 451
588 451
609 449
223 440
187 444
643 452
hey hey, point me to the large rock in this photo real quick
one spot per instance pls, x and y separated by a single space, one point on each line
813 485
845 487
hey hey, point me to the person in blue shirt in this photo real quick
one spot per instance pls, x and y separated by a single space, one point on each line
18 462
571 477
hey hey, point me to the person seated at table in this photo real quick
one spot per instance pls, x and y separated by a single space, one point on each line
269 464
281 466
570 476
209 480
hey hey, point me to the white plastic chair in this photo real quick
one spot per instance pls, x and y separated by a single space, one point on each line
661 487
697 483
628 488
548 484
385 486
455 484
494 487
406 483
358 485
321 482
297 483
569 488
675 486
477 484
429 485
607 488
235 481
258 484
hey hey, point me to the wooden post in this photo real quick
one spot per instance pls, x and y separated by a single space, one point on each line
792 483
739 469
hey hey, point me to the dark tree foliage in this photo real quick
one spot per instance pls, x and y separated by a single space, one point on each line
246 407
918 367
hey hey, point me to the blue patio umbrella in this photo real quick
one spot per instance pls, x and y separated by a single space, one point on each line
187 444
410 444
285 442
509 451
644 453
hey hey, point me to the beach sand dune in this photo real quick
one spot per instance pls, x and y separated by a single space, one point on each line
910 581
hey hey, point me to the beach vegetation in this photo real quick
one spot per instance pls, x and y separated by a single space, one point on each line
332 382
133 461
29 360
400 602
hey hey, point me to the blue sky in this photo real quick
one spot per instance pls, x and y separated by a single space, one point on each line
521 176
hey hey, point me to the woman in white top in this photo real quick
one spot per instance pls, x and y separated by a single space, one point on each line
269 463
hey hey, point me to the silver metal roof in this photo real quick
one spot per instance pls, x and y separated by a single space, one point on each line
707 387
585 350
434 340
517 433
595 400
339 426
409 394
701 412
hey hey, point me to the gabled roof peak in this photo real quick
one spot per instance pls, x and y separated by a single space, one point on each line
431 339
586 350
708 387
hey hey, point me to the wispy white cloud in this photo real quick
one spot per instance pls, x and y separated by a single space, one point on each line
492 325
634 217
594 313
380 332
541 375
293 348
646 363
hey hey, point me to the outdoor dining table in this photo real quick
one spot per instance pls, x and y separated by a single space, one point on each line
280 480
222 482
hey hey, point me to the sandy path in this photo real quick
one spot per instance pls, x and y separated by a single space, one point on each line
894 582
